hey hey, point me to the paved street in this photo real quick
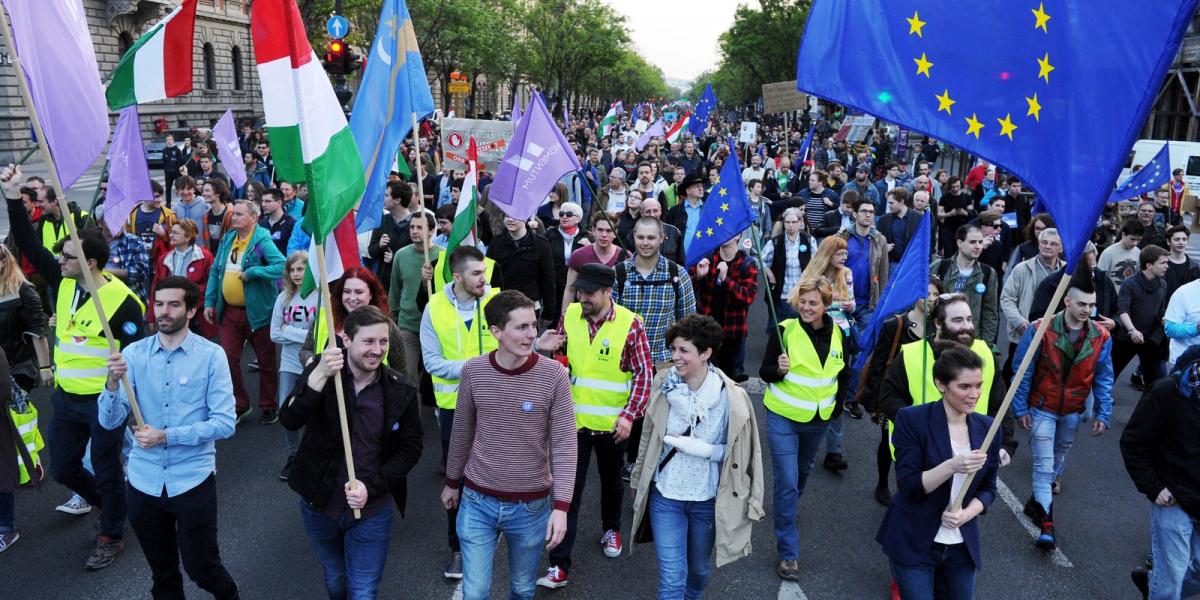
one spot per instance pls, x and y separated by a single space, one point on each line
1102 526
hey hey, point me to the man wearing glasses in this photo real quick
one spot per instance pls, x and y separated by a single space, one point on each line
80 367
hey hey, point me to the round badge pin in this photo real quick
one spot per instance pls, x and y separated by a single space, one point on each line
803 248
527 406
980 288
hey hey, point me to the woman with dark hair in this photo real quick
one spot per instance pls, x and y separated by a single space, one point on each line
933 544
703 488
357 288
187 259
219 217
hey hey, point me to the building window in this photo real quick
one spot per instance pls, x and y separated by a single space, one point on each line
210 67
236 57
124 43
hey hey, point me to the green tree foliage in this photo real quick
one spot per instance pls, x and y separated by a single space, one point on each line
760 47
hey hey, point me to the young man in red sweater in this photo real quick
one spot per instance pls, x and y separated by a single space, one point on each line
513 449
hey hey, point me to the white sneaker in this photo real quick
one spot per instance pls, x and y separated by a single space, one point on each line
75 506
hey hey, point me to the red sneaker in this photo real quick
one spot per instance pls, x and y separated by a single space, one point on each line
554 578
611 543
895 590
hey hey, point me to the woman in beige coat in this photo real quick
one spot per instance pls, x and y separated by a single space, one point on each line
703 486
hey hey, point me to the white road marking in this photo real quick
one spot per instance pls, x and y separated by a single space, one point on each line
1056 556
790 590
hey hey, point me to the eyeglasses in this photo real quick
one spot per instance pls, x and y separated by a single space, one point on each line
566 213
65 256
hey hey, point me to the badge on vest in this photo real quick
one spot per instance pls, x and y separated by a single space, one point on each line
605 350
835 354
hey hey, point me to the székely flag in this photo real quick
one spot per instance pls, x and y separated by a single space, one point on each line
310 139
159 64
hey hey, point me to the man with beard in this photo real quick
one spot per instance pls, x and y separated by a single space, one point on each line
171 488
1073 361
610 390
903 385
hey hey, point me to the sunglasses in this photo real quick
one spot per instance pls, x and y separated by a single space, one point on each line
566 213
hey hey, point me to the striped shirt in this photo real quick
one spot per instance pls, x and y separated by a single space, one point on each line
514 431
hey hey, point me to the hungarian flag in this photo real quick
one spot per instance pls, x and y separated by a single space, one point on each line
310 140
341 253
462 232
159 64
610 120
675 133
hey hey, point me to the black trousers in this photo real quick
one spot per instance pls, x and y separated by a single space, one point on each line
609 461
184 526
1149 353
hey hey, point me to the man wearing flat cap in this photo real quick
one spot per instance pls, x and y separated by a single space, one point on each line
611 368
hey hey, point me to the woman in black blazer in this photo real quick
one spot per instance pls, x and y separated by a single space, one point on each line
934 549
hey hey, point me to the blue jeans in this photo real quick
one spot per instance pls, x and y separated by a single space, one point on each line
352 552
793 446
948 573
1049 439
835 433
8 511
481 520
1175 546
287 383
684 535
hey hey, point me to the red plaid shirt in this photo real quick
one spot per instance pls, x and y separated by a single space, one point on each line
635 358
728 301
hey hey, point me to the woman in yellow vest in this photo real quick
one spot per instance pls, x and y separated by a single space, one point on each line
19 445
803 379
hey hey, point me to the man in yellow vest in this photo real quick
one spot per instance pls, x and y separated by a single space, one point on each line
80 361
453 330
611 367
904 386
50 227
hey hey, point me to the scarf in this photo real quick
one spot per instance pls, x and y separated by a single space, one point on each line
693 406
571 231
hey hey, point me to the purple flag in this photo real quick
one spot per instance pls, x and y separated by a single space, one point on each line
128 175
652 131
516 111
229 150
537 157
55 48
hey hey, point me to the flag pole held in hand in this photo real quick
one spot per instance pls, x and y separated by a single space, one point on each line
89 282
331 344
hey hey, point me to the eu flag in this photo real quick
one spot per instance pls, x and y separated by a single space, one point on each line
726 212
394 87
708 101
1152 176
1055 91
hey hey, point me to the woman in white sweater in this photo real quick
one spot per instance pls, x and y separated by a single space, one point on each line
291 319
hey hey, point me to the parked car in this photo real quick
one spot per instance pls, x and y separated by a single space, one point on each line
154 150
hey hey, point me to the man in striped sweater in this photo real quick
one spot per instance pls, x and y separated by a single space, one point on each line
513 448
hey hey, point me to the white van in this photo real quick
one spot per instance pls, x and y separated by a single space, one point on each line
1184 155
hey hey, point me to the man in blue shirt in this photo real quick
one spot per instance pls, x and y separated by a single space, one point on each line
171 490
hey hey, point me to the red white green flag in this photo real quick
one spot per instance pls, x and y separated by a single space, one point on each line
675 132
462 232
159 64
310 139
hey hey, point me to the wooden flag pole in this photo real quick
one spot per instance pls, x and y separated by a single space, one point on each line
89 282
1030 352
331 344
421 195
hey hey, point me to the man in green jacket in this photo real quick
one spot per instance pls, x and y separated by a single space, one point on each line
240 296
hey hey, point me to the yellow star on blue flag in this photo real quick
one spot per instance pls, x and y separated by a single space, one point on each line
1154 175
1059 103
726 213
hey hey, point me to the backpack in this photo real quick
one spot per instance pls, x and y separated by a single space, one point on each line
672 271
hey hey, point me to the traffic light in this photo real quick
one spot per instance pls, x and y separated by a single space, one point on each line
335 57
352 61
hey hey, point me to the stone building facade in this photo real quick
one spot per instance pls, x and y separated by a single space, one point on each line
223 67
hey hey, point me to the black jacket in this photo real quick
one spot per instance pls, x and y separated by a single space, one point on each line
397 238
911 221
555 240
831 223
1106 295
1161 445
528 268
677 216
172 159
314 473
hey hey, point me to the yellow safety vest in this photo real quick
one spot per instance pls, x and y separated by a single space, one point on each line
439 277
457 342
911 354
52 234
599 386
809 389
81 350
27 426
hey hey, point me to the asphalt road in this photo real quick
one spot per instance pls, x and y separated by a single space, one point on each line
1103 527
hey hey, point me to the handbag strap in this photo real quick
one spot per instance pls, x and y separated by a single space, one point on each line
666 459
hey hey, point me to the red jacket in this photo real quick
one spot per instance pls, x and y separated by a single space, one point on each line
1058 358
729 301
199 264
